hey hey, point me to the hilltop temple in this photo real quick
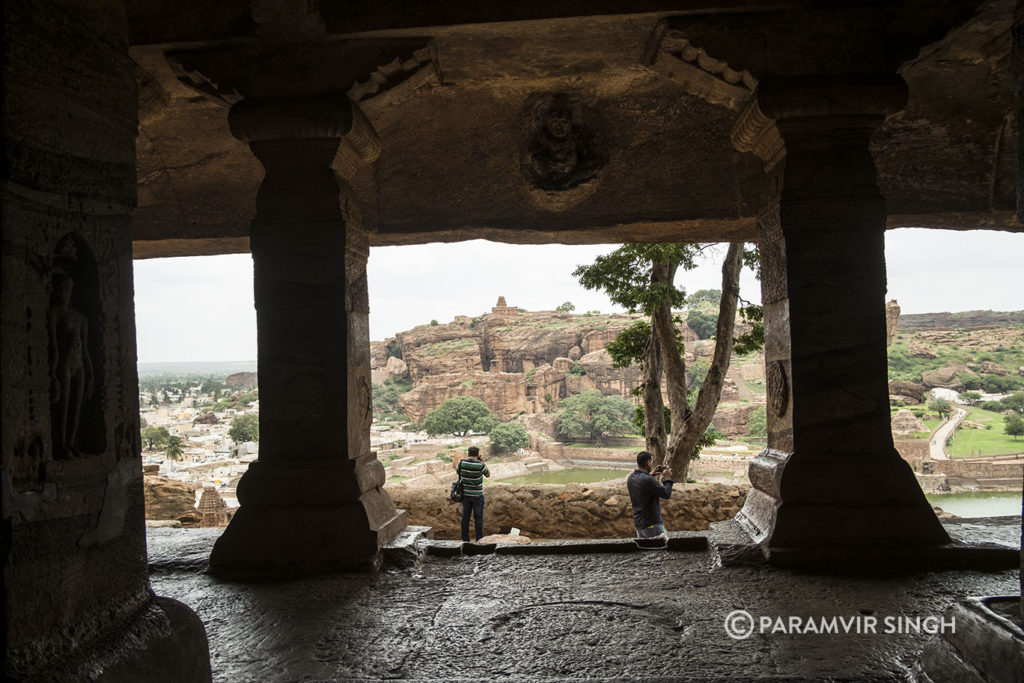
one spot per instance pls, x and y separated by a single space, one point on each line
307 133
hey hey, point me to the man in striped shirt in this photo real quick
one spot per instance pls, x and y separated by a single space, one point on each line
472 471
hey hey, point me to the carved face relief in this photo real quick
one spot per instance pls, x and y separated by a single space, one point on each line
558 144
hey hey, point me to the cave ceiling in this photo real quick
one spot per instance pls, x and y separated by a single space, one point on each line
604 128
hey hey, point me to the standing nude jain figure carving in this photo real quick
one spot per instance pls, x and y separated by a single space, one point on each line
71 375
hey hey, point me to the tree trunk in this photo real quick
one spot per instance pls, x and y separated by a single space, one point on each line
689 425
654 406
662 273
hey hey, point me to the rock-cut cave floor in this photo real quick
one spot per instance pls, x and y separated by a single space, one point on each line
643 616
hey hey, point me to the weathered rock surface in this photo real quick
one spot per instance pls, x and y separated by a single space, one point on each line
207 418
919 350
396 368
905 422
907 390
965 319
242 380
947 377
892 319
171 499
574 511
990 368
732 419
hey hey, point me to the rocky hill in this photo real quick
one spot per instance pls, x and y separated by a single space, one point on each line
519 362
962 320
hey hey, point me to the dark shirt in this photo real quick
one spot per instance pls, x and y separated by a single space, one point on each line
644 492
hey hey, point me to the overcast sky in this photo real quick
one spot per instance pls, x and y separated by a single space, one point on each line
201 308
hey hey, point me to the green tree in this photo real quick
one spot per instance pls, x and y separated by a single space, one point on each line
433 323
459 416
174 448
567 307
509 437
1014 425
592 416
940 406
757 425
641 277
155 437
972 397
245 428
711 296
702 324
1014 402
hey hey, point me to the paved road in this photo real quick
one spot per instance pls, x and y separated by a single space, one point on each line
937 446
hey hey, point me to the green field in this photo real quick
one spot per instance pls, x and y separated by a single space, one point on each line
992 441
573 476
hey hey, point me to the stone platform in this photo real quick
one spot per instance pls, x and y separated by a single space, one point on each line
639 616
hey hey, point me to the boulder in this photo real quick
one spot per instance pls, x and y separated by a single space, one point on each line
947 377
396 368
990 368
905 422
919 350
169 499
207 418
907 390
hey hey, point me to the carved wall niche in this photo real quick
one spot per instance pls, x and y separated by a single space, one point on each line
561 151
75 351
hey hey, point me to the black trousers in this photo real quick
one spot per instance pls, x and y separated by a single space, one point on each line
474 504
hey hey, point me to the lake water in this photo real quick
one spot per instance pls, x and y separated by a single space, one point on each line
978 503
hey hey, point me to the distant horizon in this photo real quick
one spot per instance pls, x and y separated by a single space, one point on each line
191 308
253 361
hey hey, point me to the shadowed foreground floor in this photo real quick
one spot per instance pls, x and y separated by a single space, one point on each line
644 616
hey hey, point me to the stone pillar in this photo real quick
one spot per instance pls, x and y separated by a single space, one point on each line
313 501
830 485
75 596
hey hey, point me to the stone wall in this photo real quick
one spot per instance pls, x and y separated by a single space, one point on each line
574 511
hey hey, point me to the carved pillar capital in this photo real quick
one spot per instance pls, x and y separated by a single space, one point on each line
275 128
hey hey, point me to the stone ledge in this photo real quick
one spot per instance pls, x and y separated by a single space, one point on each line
979 544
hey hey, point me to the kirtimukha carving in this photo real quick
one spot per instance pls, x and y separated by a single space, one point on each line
559 150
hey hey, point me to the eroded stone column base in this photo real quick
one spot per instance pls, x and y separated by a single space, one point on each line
305 517
165 643
986 645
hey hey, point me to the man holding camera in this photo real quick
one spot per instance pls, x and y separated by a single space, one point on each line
646 488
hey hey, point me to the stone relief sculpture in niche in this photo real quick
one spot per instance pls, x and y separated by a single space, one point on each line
75 362
559 146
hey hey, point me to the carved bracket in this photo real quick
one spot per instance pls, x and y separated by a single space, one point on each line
364 68
672 55
755 132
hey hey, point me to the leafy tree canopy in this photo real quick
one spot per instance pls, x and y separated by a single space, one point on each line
711 296
625 275
593 416
459 416
1014 425
245 428
174 448
155 437
940 406
567 307
509 437
703 324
